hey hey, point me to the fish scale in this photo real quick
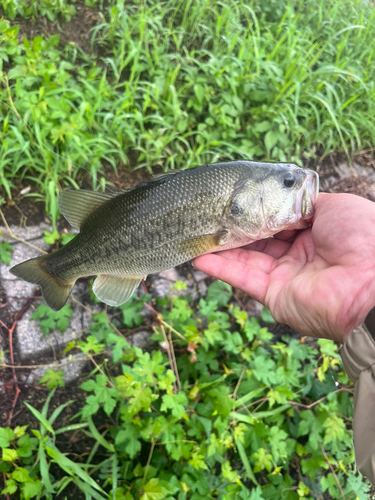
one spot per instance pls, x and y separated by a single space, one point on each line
165 222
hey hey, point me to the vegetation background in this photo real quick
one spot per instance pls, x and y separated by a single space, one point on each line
111 87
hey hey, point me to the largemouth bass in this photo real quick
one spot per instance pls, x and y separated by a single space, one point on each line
167 221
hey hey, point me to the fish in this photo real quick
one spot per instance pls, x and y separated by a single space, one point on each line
167 221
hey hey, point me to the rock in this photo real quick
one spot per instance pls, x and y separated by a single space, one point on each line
199 276
142 340
164 281
196 286
17 290
32 345
73 369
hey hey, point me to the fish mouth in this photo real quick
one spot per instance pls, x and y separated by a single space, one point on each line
307 196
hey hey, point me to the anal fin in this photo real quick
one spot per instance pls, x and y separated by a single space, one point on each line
115 290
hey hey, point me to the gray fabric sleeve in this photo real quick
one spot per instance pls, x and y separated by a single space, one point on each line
358 356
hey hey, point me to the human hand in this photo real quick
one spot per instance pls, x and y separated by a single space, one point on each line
319 281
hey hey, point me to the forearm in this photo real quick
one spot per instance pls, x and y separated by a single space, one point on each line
358 355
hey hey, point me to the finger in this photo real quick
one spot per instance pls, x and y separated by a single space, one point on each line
251 280
271 246
259 260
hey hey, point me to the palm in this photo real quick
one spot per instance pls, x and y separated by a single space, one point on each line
319 280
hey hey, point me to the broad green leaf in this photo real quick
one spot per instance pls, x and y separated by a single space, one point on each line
270 139
199 92
51 237
10 488
197 461
32 489
9 455
19 431
266 316
6 436
334 429
219 292
154 491
174 402
50 320
26 445
21 475
263 460
131 312
53 378
5 251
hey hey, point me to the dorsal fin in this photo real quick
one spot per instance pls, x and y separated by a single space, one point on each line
77 204
166 174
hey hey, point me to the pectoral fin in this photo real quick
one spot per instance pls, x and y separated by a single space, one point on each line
115 290
199 245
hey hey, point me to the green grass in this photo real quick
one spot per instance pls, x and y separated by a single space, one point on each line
181 83
34 8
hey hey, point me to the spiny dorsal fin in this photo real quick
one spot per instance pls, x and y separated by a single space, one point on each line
77 205
166 174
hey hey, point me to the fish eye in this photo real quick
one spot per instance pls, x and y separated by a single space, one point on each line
289 181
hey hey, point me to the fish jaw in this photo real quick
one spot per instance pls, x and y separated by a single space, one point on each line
306 199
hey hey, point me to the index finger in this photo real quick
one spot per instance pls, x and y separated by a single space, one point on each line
270 246
251 280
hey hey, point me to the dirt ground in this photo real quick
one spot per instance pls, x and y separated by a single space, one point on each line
75 32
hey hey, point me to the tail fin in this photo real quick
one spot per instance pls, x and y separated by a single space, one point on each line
55 291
